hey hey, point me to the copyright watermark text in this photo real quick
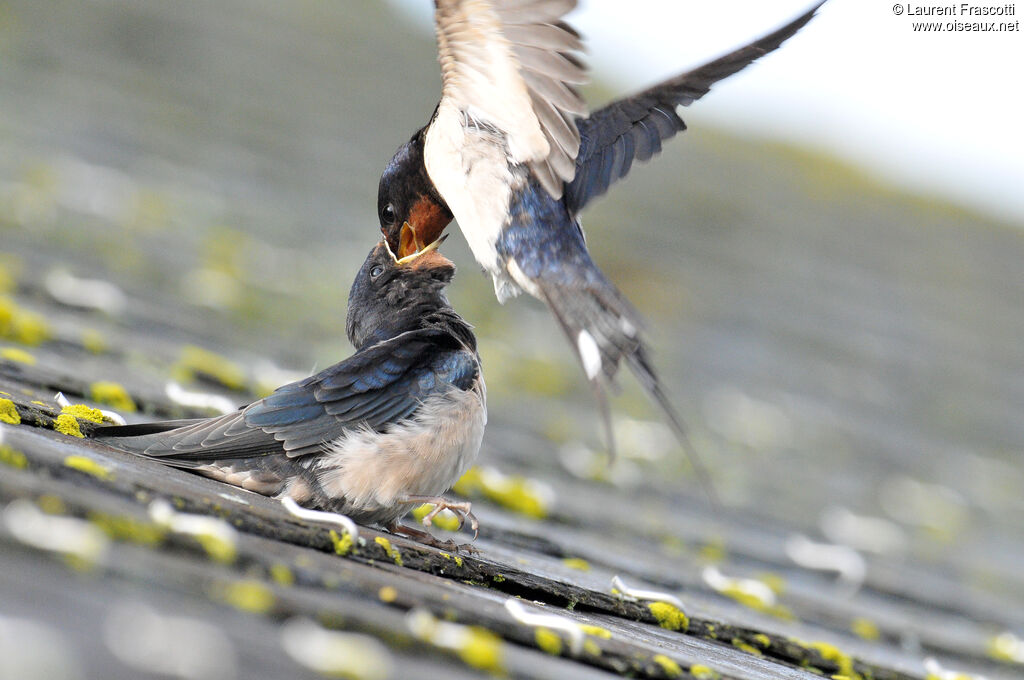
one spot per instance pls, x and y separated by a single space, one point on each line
959 17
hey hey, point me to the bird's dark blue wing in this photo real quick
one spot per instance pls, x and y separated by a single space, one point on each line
377 386
634 128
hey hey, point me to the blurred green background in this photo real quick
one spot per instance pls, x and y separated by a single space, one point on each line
831 342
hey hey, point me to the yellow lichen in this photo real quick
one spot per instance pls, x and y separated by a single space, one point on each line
670 667
512 492
93 415
713 552
830 652
387 594
217 547
51 505
482 649
247 595
745 597
754 600
775 582
9 412
93 341
342 544
68 424
592 648
445 520
455 558
196 362
21 325
282 575
1006 647
743 646
596 631
7 278
391 550
763 640
704 673
548 641
89 467
576 563
112 394
669 616
12 457
17 355
129 529
865 628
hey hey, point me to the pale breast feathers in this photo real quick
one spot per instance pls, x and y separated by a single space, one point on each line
511 65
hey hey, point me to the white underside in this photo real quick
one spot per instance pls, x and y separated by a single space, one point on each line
423 456
521 279
469 166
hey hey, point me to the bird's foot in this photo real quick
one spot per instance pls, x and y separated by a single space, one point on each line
428 539
462 510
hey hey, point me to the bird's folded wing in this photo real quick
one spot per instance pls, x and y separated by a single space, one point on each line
510 64
635 127
378 385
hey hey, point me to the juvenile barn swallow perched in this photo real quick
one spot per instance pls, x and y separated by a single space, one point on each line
393 426
511 154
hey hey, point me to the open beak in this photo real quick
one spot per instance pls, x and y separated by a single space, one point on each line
410 248
409 242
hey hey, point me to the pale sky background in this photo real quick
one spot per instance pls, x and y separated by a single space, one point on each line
938 113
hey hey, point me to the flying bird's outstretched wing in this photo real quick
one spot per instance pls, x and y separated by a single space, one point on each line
511 66
634 128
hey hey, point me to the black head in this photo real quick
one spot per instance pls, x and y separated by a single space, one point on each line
412 214
391 295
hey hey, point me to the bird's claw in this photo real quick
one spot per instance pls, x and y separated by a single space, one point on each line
462 511
428 539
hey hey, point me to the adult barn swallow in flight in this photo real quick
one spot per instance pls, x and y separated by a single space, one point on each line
511 154
393 426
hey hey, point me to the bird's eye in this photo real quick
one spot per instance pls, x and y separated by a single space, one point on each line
387 215
376 271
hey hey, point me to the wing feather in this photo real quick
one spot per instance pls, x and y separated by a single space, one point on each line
511 65
379 385
641 123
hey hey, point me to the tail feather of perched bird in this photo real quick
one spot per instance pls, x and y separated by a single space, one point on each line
399 421
511 154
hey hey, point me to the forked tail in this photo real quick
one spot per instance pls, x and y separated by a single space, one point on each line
604 329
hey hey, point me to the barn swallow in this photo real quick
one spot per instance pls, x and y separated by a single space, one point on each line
392 426
511 153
